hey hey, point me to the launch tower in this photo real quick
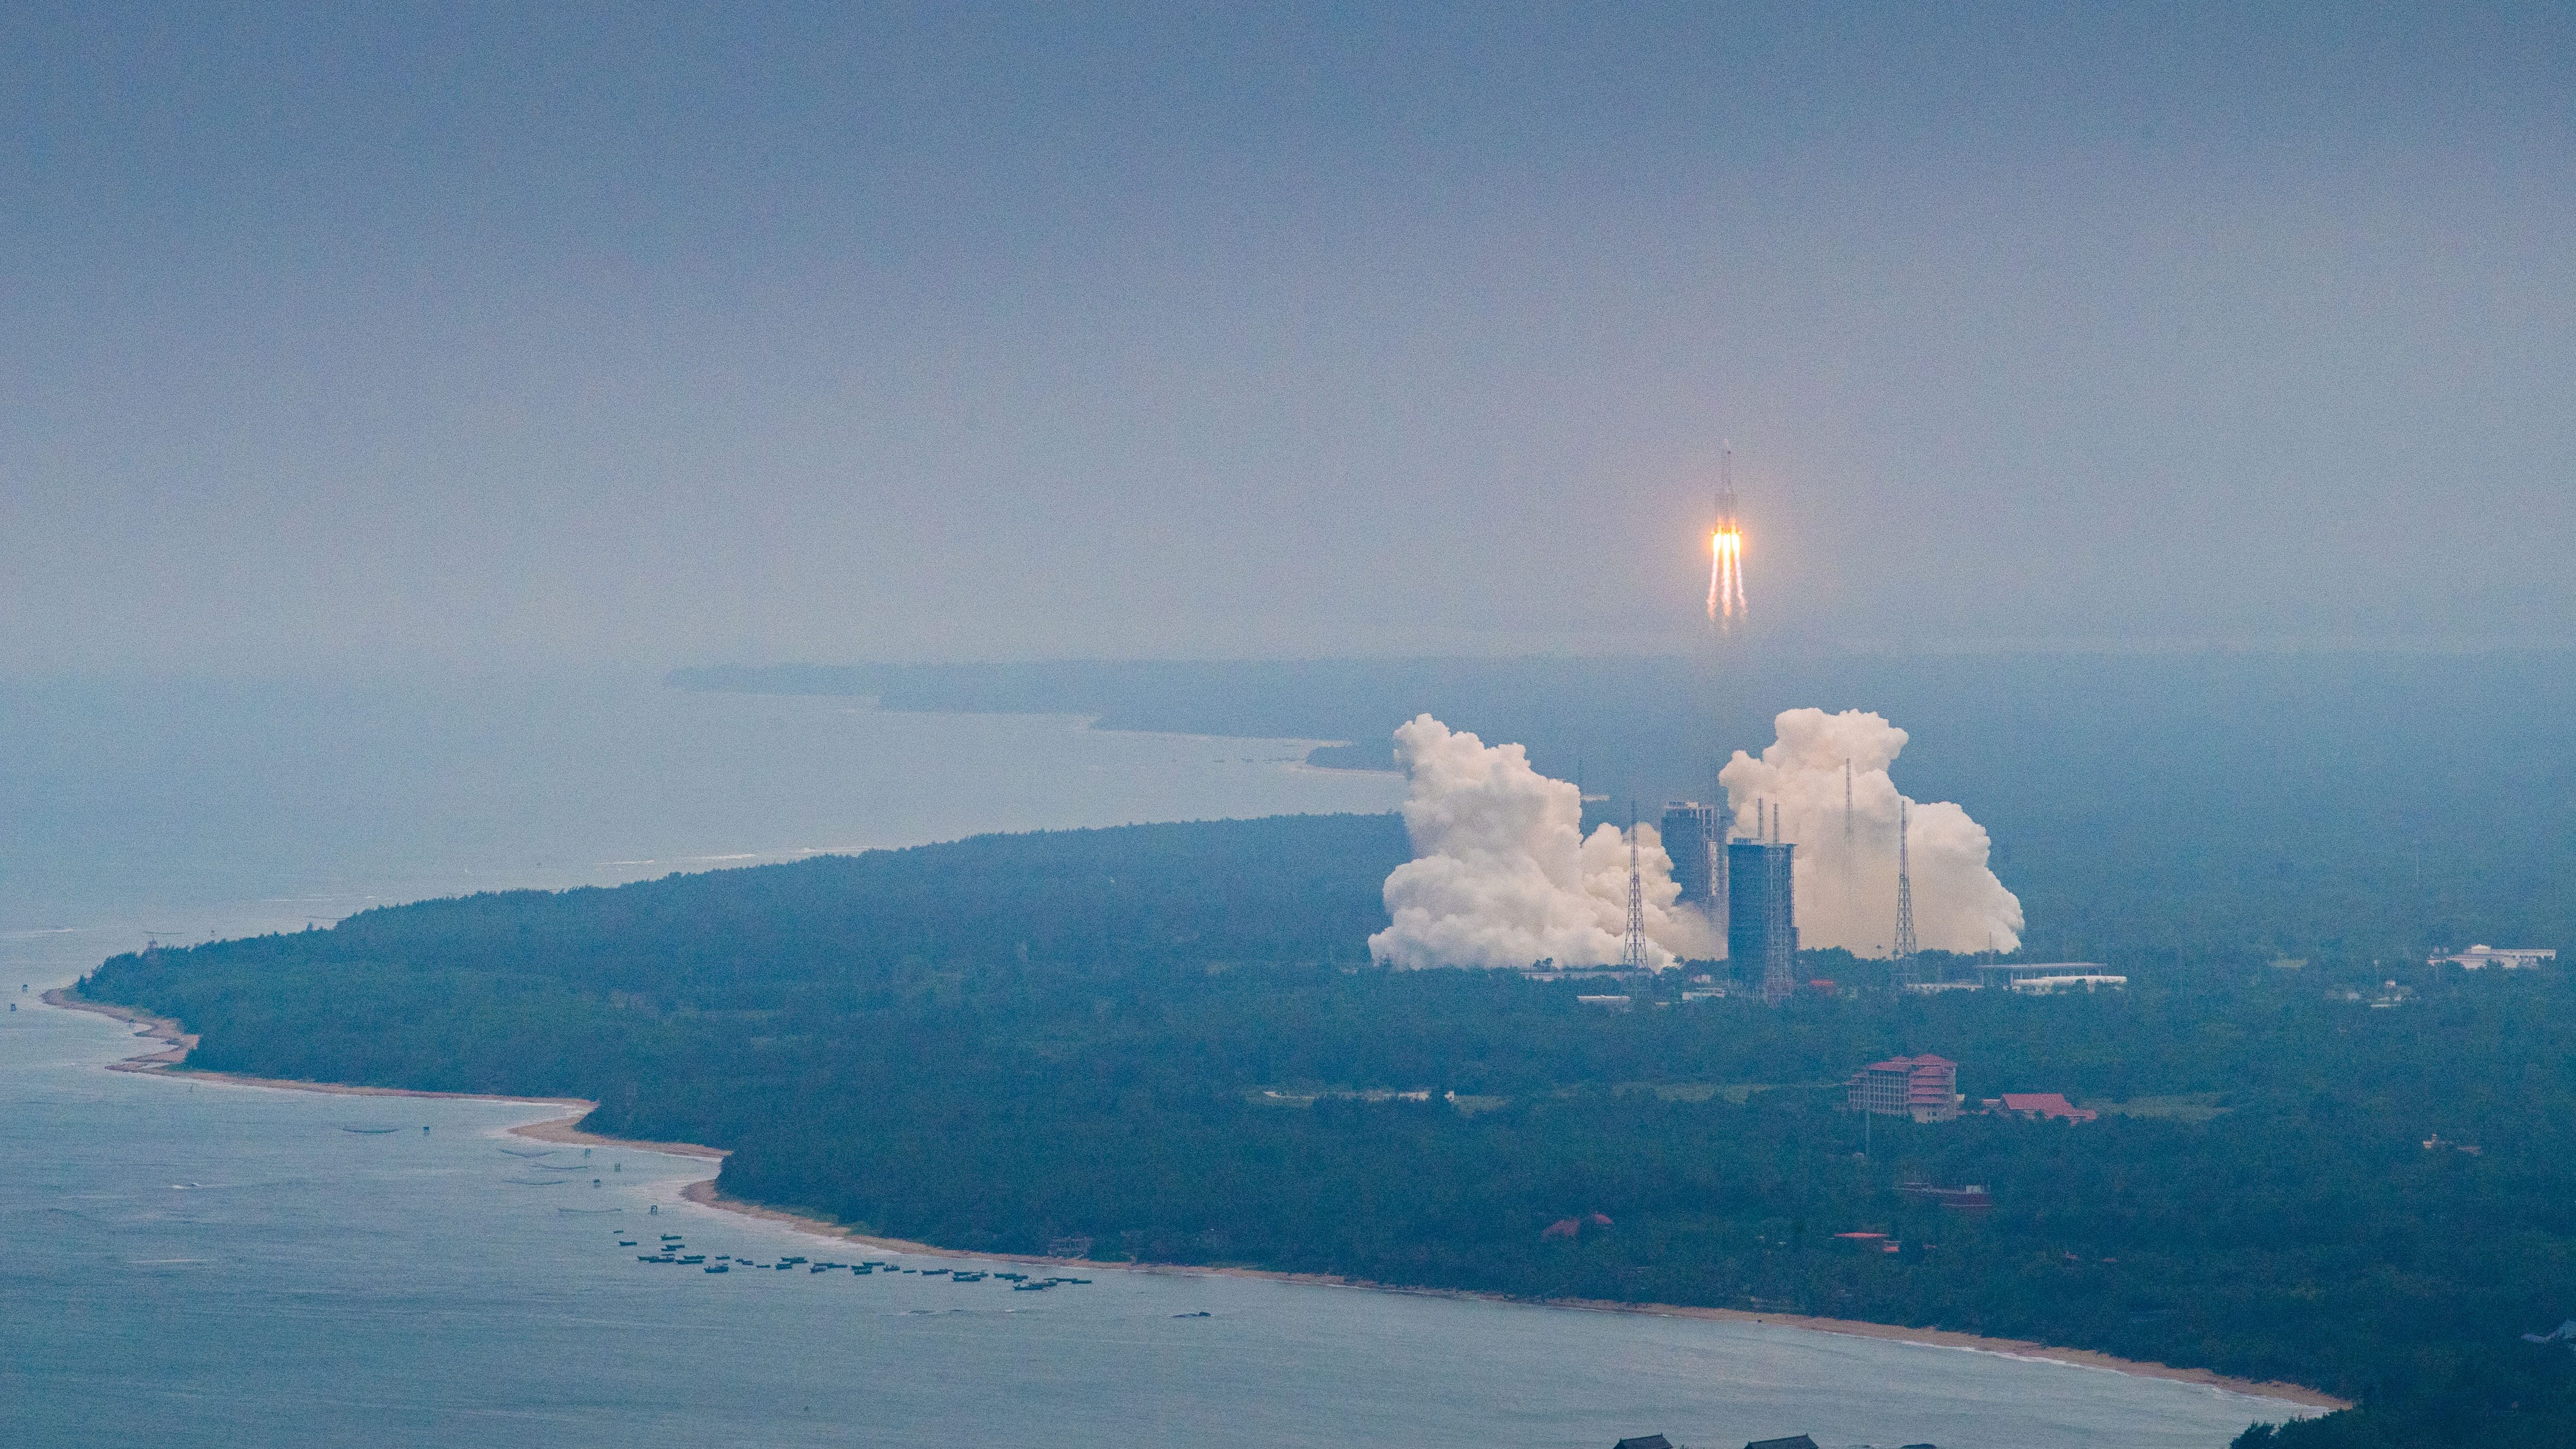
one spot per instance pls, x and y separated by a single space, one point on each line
1695 837
1761 914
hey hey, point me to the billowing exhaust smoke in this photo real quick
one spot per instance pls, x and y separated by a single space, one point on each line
1846 860
1502 874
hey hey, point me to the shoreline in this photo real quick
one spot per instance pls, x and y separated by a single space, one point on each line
704 1193
176 1044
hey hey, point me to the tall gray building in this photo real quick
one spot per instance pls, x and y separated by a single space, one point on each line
1695 837
1761 915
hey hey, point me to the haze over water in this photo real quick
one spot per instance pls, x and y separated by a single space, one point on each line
138 807
223 1265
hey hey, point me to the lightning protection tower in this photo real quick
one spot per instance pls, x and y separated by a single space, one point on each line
1904 901
1632 957
1721 834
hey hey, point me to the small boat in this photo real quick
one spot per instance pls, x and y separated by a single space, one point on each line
534 1181
1202 1313
371 1131
719 1267
696 1258
524 1151
589 1212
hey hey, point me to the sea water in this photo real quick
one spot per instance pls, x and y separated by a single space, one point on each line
194 808
191 1263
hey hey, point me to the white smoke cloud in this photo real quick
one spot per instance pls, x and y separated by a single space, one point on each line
1502 874
1846 884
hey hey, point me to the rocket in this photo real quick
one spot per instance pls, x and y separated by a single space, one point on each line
1726 551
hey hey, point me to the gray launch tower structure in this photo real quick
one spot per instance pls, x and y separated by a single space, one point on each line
1695 837
1761 912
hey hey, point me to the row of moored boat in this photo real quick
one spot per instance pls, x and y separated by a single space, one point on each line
673 1249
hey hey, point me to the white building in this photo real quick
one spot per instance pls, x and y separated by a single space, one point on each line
2069 981
2510 958
2049 977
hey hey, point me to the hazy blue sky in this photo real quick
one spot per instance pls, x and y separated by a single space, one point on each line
525 334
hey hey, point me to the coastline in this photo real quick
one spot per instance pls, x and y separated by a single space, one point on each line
704 1194
176 1045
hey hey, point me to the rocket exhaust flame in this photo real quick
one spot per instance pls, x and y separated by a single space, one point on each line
1504 876
1726 579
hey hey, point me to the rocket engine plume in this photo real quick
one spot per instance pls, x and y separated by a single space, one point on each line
1503 875
1726 553
1823 765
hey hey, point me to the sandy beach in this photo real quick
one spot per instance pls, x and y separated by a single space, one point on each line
175 1045
704 1193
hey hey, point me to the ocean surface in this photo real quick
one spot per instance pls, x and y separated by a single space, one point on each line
187 1263
197 808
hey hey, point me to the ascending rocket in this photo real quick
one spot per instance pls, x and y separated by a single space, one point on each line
1726 493
1726 551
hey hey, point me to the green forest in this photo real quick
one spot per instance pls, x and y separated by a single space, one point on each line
1166 1043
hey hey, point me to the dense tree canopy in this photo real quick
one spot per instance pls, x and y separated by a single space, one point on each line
1165 1040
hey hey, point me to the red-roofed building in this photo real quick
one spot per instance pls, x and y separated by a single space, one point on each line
2040 1106
1925 1088
1879 1241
